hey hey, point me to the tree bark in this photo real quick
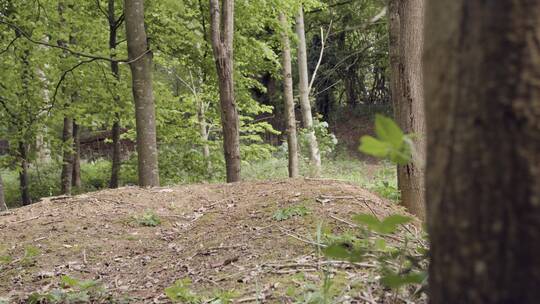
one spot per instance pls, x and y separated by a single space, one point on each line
222 28
76 174
24 178
482 63
203 132
406 40
67 159
305 105
116 127
141 74
288 99
3 205
116 157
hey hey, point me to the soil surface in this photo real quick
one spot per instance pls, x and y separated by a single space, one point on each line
221 236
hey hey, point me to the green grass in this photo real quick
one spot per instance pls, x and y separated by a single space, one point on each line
379 178
45 179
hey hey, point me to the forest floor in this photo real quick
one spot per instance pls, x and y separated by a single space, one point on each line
222 237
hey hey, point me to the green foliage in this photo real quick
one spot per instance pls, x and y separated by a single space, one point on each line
398 266
388 225
30 254
327 141
289 212
391 143
149 219
181 292
74 291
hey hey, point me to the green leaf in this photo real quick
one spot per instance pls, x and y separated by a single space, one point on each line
374 147
339 251
395 281
368 220
388 131
390 224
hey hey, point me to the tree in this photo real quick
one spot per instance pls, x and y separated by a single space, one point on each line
3 206
483 183
141 75
288 98
305 104
406 26
114 24
222 28
67 159
76 174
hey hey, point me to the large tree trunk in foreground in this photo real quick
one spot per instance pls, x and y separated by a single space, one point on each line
76 175
67 159
24 178
141 75
407 92
3 205
305 105
482 65
222 45
116 127
288 99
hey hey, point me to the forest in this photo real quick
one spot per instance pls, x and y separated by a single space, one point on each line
269 151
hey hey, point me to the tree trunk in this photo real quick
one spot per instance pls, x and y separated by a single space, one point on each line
288 99
24 178
67 160
203 132
76 176
3 205
222 28
141 76
483 170
116 160
406 40
305 105
117 145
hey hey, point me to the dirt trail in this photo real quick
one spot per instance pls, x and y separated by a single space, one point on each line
221 236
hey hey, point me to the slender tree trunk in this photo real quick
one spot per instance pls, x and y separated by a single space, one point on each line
24 178
483 167
141 74
116 156
116 127
203 131
76 176
222 28
407 94
288 99
305 105
67 160
3 205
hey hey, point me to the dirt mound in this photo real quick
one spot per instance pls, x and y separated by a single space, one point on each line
222 237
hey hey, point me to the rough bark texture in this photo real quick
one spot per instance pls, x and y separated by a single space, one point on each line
116 127
24 180
288 99
482 71
406 37
303 86
3 205
222 28
141 75
67 159
76 176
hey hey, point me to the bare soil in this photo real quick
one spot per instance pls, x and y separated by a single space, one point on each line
221 236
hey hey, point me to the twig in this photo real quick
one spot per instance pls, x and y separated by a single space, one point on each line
323 43
291 234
